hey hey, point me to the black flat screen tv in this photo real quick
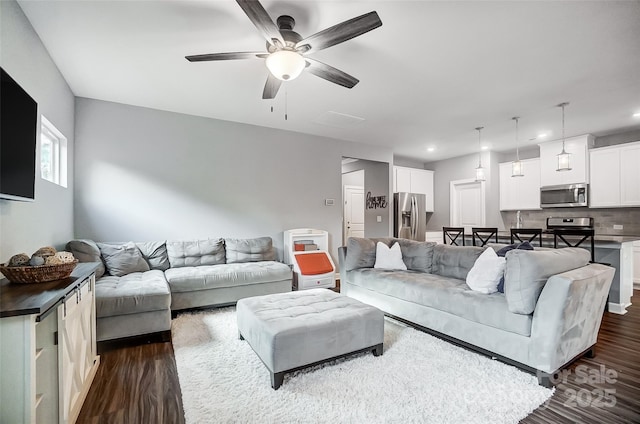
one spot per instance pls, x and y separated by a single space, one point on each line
18 131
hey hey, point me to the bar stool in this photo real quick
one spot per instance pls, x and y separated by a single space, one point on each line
450 235
560 233
532 234
484 234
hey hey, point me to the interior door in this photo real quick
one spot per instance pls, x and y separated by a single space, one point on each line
353 212
467 204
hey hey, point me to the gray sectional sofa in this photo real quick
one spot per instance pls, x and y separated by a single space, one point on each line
139 285
549 315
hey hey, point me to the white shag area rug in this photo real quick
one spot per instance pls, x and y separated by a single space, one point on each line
418 379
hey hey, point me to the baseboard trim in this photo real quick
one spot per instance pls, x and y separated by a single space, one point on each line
618 308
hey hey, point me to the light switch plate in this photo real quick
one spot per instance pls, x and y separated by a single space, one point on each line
378 218
329 202
618 227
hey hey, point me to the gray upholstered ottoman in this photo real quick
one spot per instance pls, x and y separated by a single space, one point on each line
293 330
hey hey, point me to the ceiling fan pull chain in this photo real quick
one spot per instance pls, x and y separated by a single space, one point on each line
286 103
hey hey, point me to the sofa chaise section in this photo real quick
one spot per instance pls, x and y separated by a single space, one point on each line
137 303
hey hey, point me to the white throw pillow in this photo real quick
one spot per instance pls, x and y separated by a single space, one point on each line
486 272
389 258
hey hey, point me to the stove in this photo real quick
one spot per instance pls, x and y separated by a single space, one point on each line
572 232
557 223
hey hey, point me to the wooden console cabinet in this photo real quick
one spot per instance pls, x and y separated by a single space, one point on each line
48 355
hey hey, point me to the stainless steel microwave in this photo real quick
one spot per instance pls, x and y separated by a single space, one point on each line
564 196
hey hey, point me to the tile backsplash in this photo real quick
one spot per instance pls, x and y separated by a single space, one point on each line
604 219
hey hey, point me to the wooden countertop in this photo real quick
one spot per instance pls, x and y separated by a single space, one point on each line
37 298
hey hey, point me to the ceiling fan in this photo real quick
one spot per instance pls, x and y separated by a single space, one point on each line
286 55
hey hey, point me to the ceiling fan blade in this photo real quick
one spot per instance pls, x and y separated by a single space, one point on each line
271 87
330 73
225 56
341 32
261 19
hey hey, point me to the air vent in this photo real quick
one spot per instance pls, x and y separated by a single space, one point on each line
338 120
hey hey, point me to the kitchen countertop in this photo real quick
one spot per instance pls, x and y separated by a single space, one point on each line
598 237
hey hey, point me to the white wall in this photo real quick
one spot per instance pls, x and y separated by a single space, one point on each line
144 174
26 226
462 168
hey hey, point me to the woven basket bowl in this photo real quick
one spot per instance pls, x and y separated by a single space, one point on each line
37 274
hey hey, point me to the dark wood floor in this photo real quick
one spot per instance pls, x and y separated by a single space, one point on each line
139 384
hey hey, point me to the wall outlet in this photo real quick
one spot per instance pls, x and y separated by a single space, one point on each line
329 202
618 227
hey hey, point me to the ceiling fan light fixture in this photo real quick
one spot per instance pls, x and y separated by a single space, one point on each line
286 65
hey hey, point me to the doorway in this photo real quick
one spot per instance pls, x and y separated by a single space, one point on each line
353 211
467 204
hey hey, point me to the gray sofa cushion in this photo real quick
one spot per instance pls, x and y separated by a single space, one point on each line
87 251
196 252
417 255
131 294
361 253
122 259
527 272
454 261
446 294
249 250
155 253
186 279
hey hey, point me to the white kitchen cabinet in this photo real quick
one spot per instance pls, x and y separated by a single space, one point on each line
630 175
413 180
615 176
579 162
48 352
401 180
520 193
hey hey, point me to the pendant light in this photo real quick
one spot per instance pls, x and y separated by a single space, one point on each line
516 165
480 170
564 163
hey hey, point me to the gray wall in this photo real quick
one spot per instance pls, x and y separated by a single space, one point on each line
462 168
26 226
144 174
376 181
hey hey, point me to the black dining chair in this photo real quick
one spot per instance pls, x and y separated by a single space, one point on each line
484 235
531 235
577 237
453 235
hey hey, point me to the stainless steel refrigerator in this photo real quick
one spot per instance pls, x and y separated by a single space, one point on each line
409 217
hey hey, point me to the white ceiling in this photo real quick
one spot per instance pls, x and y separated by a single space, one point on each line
432 73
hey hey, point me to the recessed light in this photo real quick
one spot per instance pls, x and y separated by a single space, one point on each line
431 149
636 115
484 147
542 135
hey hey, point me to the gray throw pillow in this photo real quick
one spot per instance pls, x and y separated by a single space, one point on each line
361 253
417 255
196 252
87 251
527 272
250 250
123 259
155 253
454 261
